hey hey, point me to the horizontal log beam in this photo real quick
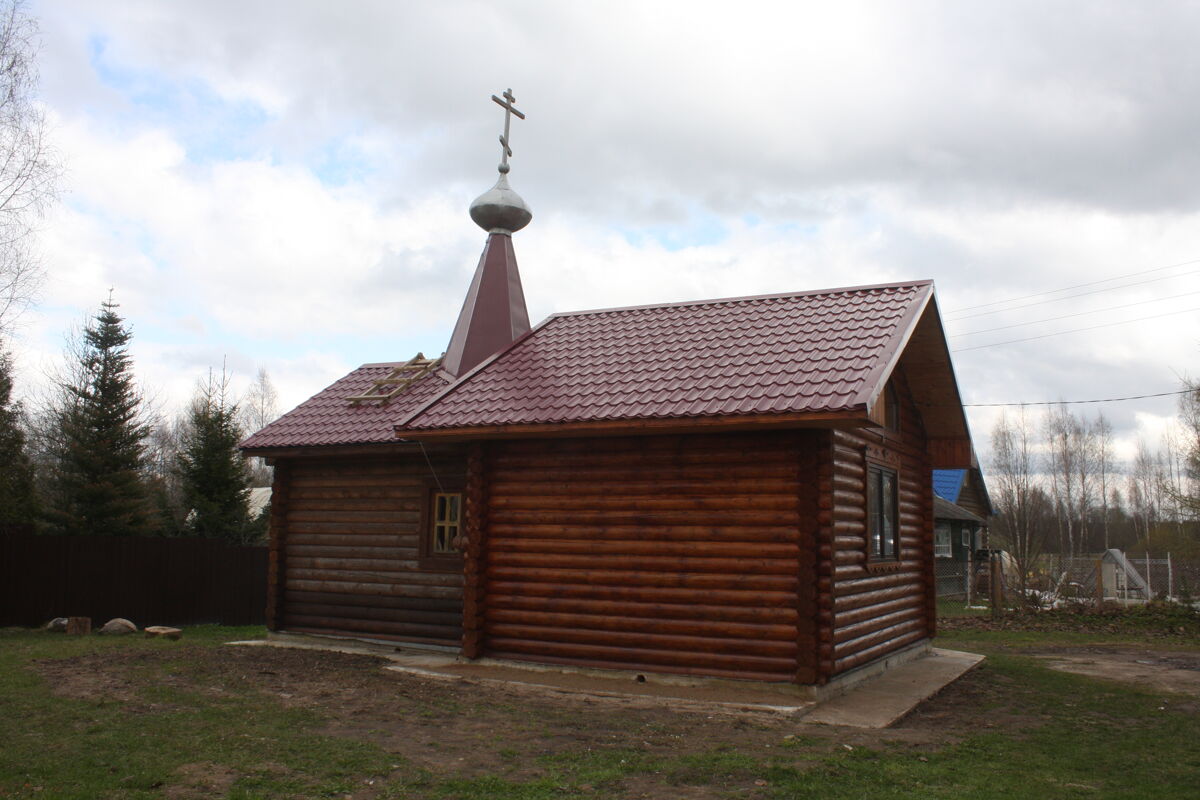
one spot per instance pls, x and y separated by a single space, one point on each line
641 563
778 615
594 577
601 624
650 546
752 598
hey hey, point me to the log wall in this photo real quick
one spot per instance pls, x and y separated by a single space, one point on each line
348 551
876 607
688 554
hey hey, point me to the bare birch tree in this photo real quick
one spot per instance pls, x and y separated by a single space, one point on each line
1104 464
1073 466
1021 524
1189 418
28 167
1144 490
259 408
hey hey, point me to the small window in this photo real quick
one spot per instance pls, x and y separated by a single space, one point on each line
966 538
891 407
447 516
882 519
942 547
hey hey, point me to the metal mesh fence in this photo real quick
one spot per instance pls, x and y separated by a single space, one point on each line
1055 581
963 587
1122 577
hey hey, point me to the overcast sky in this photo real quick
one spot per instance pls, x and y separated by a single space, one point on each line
286 184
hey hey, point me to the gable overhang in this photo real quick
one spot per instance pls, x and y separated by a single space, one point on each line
920 348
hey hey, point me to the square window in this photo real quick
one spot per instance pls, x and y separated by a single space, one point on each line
447 514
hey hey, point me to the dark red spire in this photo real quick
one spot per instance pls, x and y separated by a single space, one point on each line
493 316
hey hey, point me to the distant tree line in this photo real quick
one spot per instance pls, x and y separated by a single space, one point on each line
93 457
1057 489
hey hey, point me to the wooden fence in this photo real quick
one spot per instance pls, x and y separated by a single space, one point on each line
149 581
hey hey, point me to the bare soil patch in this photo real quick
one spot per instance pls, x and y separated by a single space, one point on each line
1165 671
465 728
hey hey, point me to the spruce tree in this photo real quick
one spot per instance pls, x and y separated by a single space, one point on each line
216 485
101 437
18 501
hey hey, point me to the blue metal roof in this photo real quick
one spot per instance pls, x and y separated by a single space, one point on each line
947 483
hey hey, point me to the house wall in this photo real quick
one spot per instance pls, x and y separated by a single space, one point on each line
689 554
874 608
345 550
971 497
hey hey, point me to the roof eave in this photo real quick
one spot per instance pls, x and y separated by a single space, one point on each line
325 450
850 418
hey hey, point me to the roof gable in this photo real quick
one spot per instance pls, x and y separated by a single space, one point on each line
947 483
815 352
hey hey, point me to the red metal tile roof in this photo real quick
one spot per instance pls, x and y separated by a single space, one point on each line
328 418
809 352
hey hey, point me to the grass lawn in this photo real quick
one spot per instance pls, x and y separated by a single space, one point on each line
97 717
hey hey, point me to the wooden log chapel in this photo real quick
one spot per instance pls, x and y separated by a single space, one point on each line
736 488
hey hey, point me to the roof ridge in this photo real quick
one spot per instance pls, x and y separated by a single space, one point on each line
746 298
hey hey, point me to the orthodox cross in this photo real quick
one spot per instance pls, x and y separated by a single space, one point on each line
509 110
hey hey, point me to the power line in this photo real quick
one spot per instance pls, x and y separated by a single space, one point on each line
1078 330
1077 402
1077 314
1073 296
1076 286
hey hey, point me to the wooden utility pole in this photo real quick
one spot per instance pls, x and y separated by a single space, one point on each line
994 587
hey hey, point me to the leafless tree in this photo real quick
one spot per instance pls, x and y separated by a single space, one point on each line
1021 524
260 407
28 167
1144 490
1104 464
1174 475
1189 418
1074 464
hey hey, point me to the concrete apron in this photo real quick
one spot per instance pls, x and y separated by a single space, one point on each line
872 696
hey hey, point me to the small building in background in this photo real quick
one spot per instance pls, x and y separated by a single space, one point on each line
961 506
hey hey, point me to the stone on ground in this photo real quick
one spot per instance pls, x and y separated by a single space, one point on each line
118 626
163 631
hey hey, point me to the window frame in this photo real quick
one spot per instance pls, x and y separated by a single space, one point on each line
947 529
429 558
876 510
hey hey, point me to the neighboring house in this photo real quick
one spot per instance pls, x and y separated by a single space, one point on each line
734 487
962 513
961 507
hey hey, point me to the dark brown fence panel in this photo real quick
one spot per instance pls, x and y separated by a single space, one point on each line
149 581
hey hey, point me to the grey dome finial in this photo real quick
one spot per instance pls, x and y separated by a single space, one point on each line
500 209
